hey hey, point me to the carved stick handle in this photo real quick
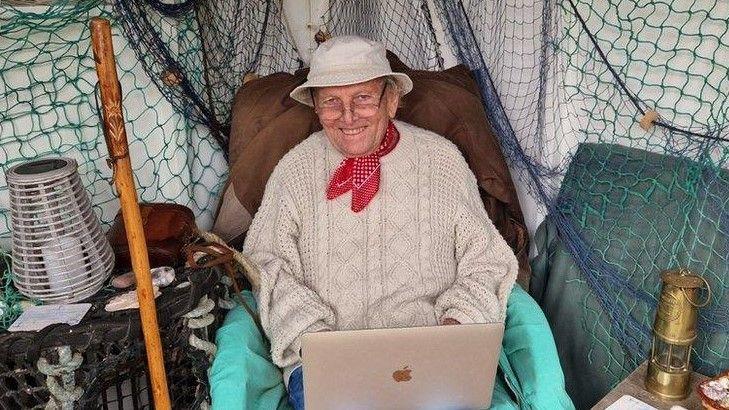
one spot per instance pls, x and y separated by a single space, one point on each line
116 140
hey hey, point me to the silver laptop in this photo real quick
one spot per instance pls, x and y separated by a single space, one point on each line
440 367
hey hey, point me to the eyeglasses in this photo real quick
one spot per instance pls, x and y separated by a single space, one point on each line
363 106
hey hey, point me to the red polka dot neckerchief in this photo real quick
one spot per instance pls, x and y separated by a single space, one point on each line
362 174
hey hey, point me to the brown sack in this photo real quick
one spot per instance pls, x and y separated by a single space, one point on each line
167 228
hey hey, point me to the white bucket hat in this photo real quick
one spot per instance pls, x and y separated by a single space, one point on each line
346 60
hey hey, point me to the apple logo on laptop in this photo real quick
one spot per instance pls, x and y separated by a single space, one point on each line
402 375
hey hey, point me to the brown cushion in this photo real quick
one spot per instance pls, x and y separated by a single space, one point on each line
267 123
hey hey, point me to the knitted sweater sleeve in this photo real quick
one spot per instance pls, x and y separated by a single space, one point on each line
287 306
486 265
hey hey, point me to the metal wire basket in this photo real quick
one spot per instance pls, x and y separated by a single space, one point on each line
59 253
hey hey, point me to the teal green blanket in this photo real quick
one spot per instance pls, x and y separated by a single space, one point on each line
640 213
243 377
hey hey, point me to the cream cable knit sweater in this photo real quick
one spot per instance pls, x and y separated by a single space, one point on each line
424 248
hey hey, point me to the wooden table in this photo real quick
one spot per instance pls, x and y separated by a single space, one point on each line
634 385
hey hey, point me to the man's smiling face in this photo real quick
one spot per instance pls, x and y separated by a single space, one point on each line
363 111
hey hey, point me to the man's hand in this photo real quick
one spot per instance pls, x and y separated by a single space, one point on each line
450 321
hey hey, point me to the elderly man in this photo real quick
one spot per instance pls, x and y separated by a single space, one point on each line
372 222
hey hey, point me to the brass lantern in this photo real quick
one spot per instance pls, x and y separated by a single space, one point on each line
674 331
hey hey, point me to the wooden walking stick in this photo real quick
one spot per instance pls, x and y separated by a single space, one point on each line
116 141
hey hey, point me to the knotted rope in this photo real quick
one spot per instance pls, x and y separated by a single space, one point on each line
201 318
65 393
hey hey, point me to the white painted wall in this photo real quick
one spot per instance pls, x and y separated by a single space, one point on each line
304 19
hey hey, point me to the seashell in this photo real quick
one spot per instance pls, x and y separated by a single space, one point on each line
127 300
161 276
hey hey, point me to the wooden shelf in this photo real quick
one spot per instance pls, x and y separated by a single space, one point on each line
634 385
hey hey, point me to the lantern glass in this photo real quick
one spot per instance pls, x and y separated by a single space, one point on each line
670 357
